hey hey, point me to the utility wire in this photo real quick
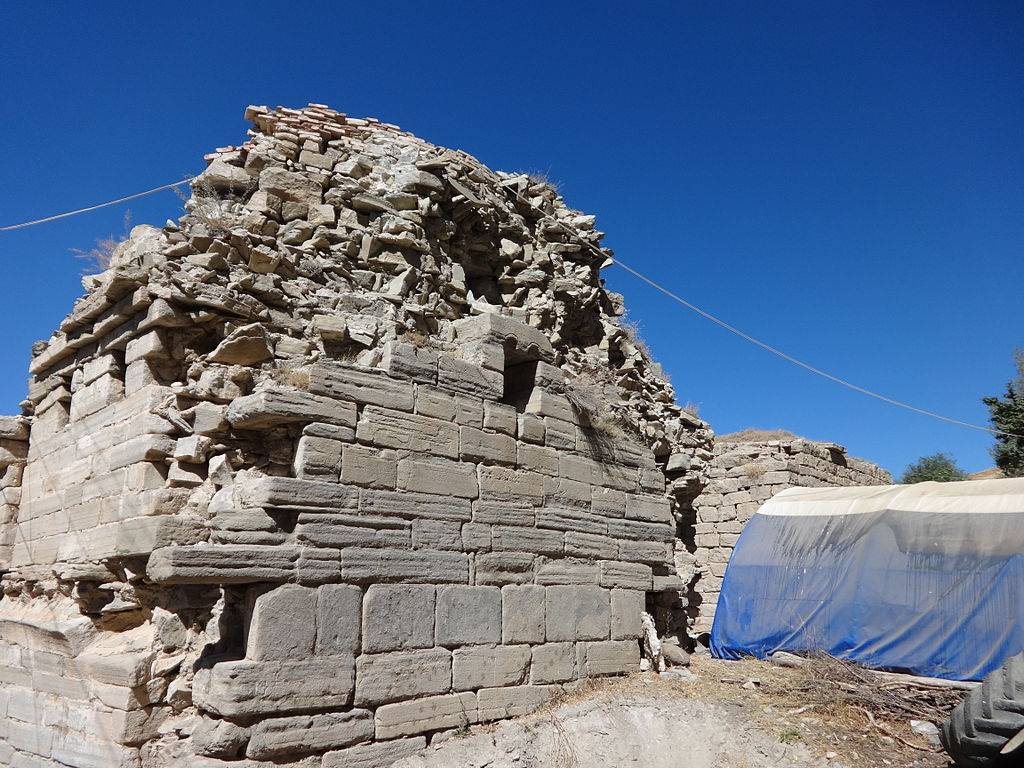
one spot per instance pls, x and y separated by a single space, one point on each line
763 345
11 227
801 363
618 262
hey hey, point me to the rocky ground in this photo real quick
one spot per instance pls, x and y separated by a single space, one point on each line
723 715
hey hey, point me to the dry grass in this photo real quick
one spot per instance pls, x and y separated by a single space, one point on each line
757 436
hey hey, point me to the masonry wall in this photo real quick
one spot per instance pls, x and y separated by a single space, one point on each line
742 476
304 478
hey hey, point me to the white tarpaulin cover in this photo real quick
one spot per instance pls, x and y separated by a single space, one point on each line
927 578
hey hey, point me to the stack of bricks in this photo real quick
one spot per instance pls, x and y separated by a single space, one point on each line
744 475
303 478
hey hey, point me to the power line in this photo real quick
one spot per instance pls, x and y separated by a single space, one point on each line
801 363
11 227
618 262
764 345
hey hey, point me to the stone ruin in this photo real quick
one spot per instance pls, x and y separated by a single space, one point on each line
356 452
743 474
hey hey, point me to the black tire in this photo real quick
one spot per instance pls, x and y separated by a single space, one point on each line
988 717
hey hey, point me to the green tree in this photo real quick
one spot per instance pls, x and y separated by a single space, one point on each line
938 467
1007 415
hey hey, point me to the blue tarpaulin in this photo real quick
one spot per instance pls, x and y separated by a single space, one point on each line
925 578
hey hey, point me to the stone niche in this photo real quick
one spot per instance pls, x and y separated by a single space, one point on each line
301 480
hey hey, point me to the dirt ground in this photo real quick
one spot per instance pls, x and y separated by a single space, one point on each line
744 714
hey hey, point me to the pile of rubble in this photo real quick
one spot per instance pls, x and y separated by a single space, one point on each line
355 452
743 475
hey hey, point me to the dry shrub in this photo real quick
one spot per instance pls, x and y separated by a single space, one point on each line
216 211
632 330
826 683
755 471
99 257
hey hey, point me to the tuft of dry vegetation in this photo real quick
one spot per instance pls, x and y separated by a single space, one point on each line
755 471
417 338
757 436
99 257
595 393
215 210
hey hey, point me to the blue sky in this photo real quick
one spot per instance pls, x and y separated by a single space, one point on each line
841 179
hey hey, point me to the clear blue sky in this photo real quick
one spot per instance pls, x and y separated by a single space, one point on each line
842 179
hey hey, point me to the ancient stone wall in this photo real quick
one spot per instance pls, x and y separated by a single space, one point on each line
742 476
355 452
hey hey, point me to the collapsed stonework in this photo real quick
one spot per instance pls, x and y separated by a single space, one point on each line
742 476
356 451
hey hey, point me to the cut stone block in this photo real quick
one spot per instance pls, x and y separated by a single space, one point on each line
524 341
636 529
226 564
522 614
477 445
378 755
318 458
456 375
238 689
293 493
384 678
500 418
645 551
500 568
438 534
627 606
502 513
608 502
626 575
432 506
568 572
537 458
468 615
367 467
424 566
452 478
338 619
590 546
367 387
505 484
499 703
571 519
302 734
489 667
283 624
407 361
398 617
279 405
553 663
432 713
608 657
576 613
388 428
520 539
